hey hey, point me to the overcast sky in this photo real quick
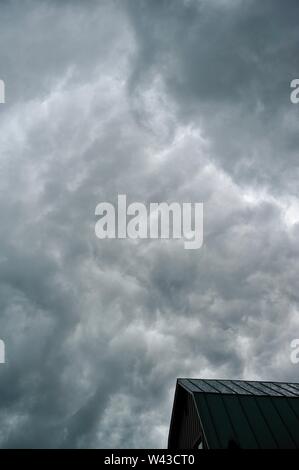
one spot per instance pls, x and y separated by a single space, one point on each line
162 100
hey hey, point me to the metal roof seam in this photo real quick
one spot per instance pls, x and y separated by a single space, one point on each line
186 383
212 420
235 387
225 385
263 392
230 420
292 408
284 391
210 385
268 386
283 387
248 421
266 422
238 385
294 388
193 382
283 422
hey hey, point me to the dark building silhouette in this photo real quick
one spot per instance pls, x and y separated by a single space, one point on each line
234 414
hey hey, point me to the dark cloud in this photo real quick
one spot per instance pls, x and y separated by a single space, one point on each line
228 65
163 101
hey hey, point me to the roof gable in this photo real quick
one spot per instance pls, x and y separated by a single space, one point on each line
242 414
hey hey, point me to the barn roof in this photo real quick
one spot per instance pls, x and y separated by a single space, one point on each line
246 413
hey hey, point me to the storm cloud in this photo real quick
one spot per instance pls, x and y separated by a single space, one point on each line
162 100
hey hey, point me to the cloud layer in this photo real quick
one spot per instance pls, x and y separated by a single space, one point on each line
162 101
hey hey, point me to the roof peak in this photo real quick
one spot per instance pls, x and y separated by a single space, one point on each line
240 387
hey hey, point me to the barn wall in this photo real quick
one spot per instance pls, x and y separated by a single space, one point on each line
185 426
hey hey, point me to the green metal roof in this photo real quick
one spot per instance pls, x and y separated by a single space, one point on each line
244 414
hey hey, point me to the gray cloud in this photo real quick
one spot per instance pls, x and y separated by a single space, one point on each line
228 65
162 101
